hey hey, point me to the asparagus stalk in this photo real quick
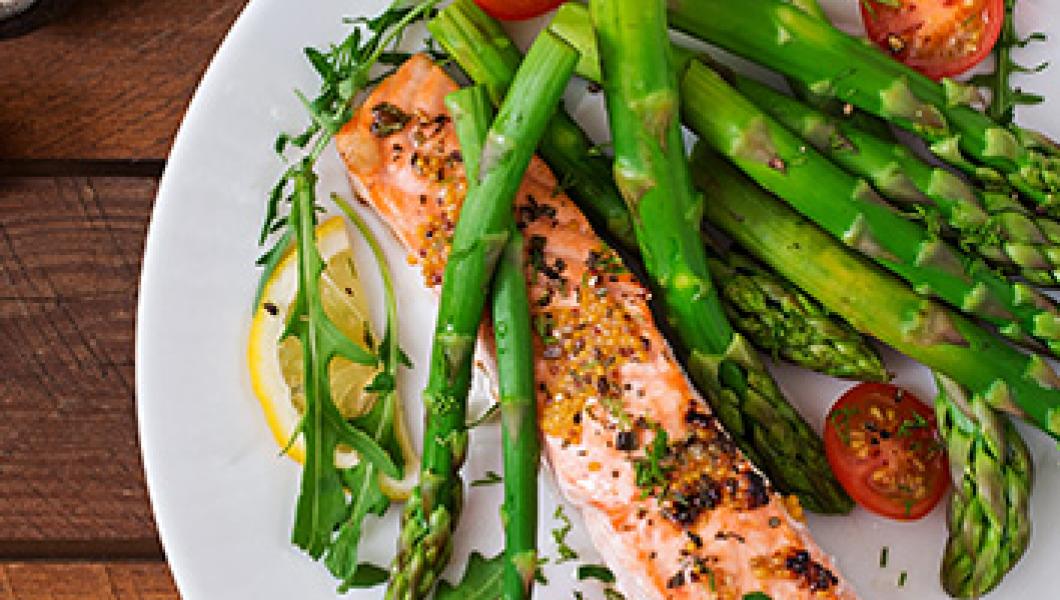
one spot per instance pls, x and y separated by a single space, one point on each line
810 7
773 314
479 44
884 306
471 111
515 354
829 104
652 174
989 517
829 61
779 318
849 209
846 206
992 224
783 321
481 233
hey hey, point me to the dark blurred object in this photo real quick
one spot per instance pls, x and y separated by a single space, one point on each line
18 17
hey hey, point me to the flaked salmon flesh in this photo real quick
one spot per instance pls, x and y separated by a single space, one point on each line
696 521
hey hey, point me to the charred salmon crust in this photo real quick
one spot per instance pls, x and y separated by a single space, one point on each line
672 505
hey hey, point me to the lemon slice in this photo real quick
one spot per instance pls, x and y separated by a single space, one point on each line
276 366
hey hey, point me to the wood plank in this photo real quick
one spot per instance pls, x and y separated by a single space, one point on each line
109 80
86 581
71 481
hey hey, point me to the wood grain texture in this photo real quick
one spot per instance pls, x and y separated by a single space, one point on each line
109 80
86 581
71 483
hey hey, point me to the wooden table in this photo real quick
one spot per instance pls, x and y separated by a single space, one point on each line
88 109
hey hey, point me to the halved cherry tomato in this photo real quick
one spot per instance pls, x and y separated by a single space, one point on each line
939 38
517 10
883 446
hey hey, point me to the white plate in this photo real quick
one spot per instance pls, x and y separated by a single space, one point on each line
224 499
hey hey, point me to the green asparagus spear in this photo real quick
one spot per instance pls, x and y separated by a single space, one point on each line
850 209
847 207
830 105
488 56
774 315
989 518
829 61
782 320
993 224
884 306
652 174
515 365
471 111
810 7
481 233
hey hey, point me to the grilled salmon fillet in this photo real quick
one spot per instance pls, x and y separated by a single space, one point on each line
670 502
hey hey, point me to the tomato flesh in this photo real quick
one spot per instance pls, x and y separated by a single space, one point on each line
939 38
517 10
884 448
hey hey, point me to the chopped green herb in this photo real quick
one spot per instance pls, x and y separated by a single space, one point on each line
559 535
486 416
613 594
491 478
840 419
618 411
539 572
756 596
883 557
907 426
902 577
597 572
650 471
606 261
544 326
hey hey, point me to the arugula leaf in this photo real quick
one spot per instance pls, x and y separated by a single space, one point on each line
327 522
366 498
269 261
369 575
344 71
365 495
481 581
1004 97
322 501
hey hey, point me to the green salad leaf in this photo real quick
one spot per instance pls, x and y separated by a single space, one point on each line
334 501
481 581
